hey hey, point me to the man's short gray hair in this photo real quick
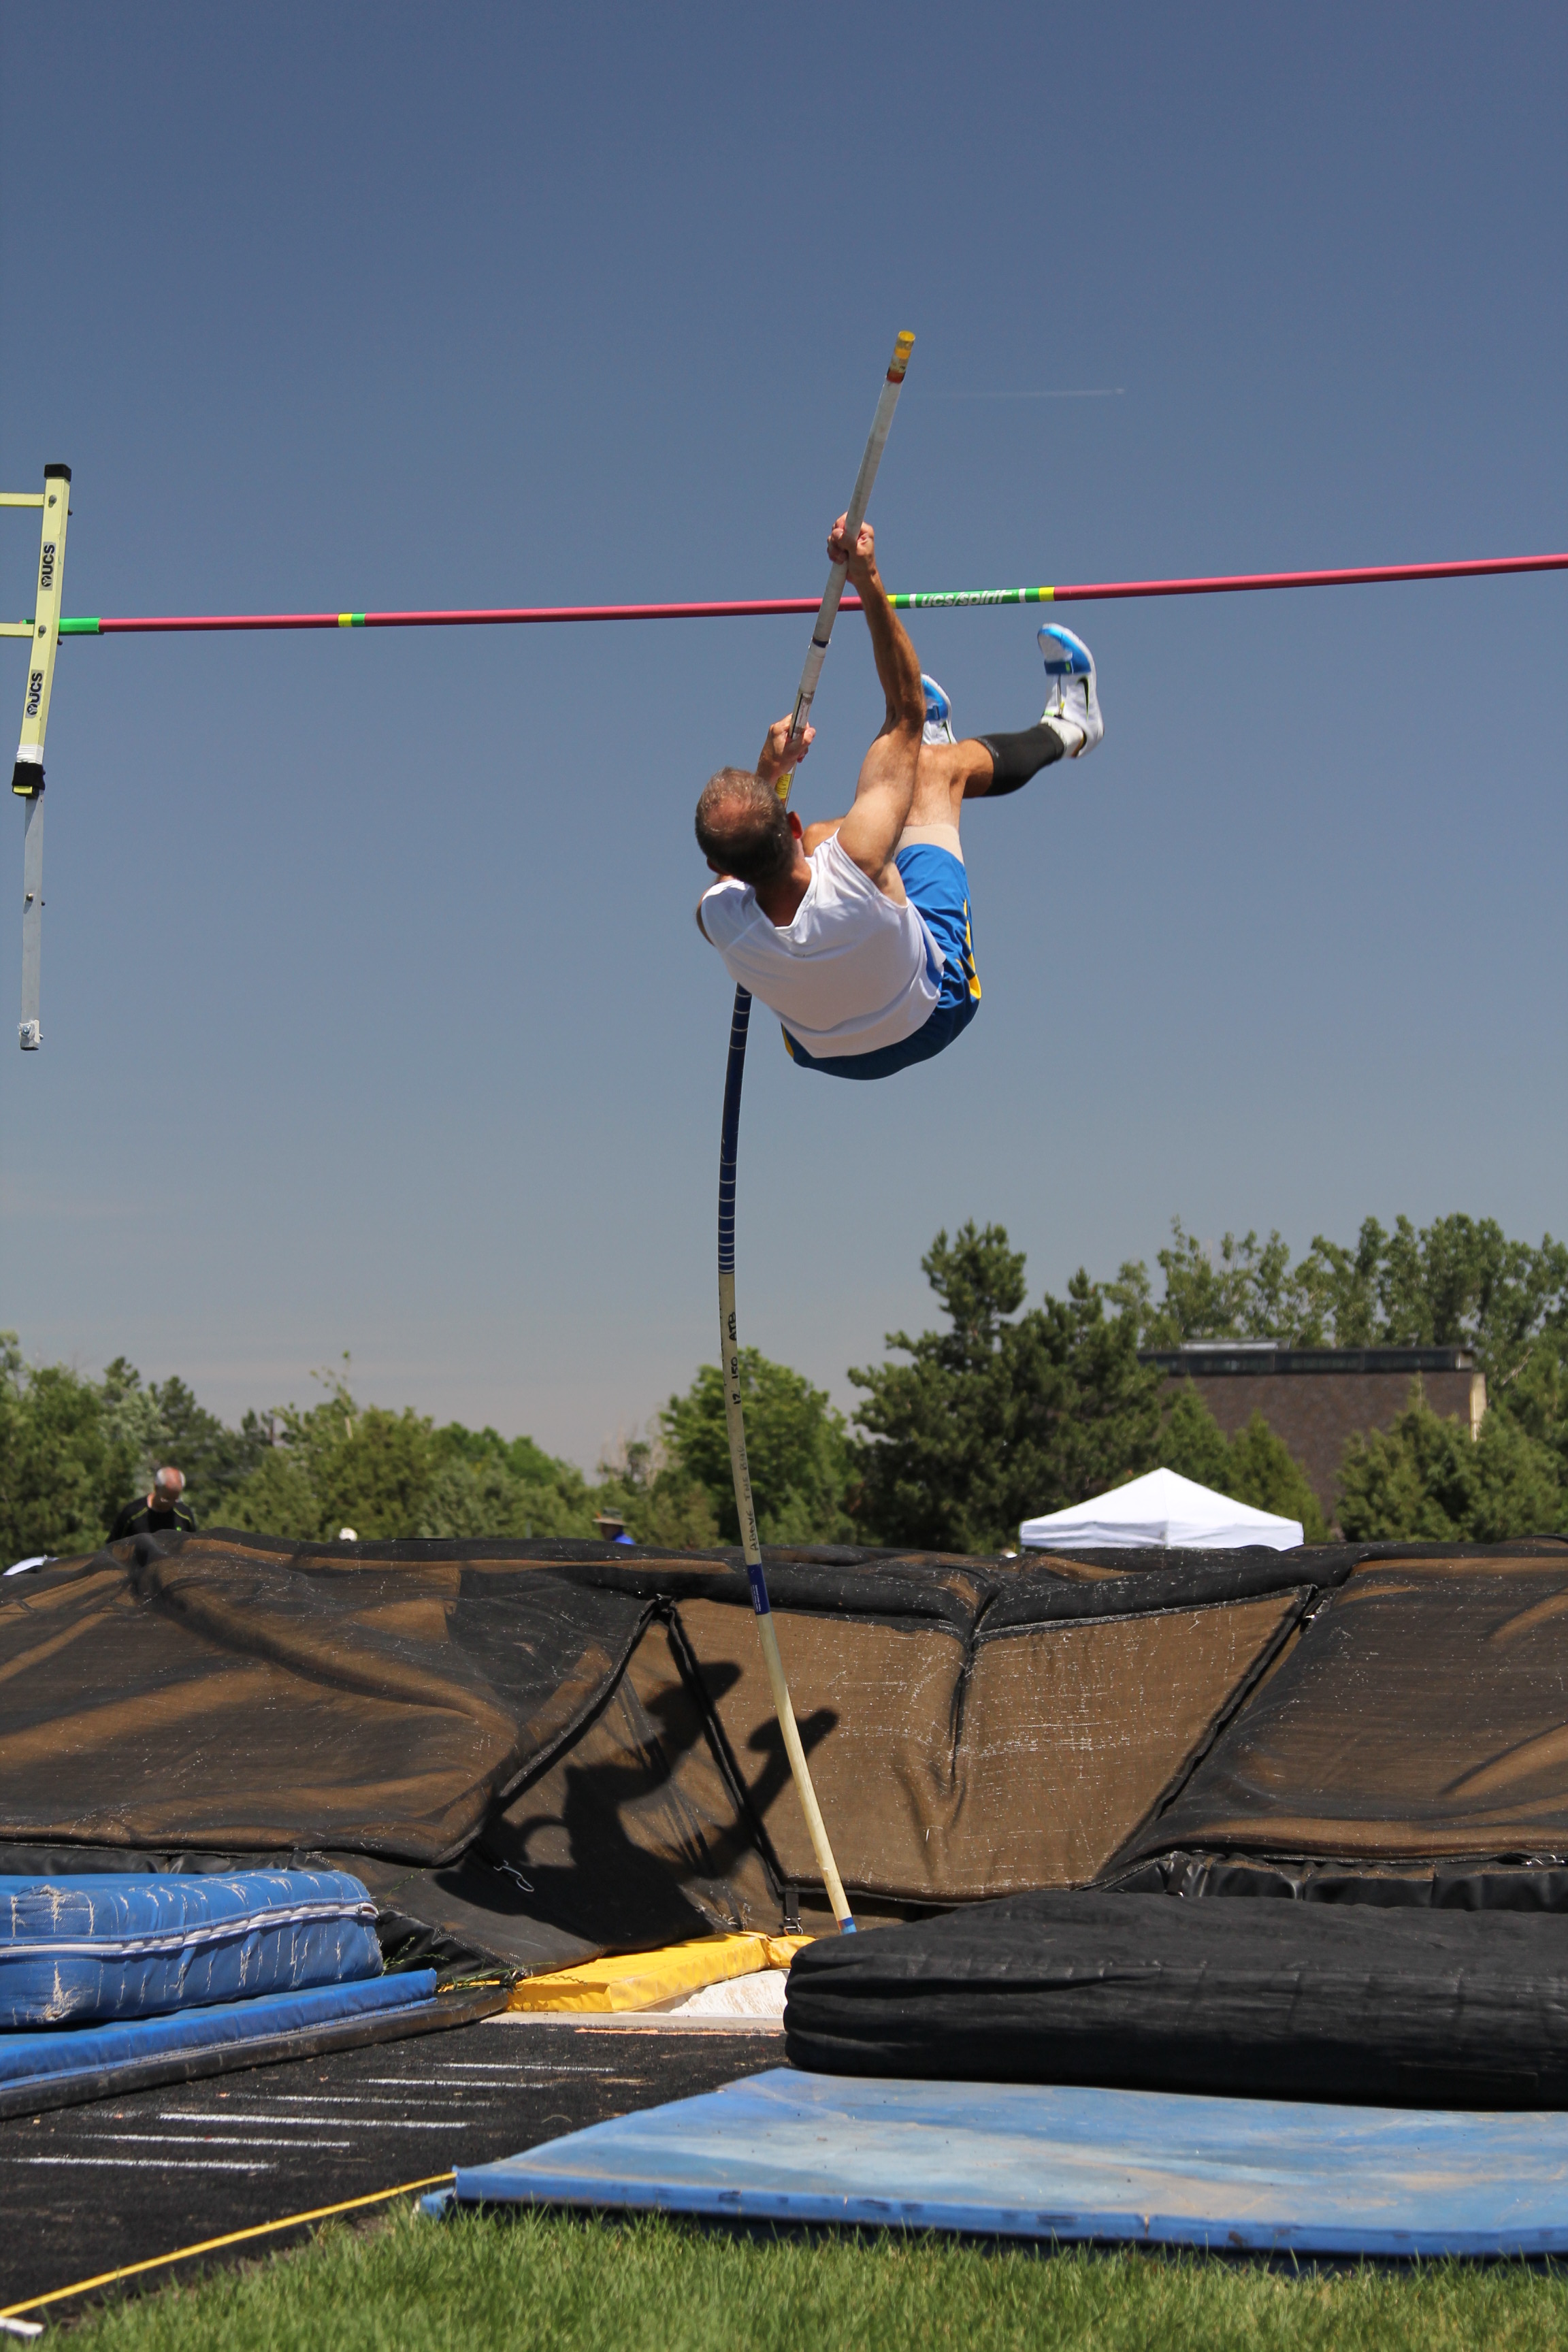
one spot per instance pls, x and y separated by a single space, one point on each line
741 827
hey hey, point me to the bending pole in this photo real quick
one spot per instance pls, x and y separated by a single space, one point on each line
729 1150
772 607
729 1145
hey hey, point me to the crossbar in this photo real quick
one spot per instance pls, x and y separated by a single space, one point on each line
1081 592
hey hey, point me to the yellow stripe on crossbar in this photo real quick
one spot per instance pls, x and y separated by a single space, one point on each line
234 2238
345 620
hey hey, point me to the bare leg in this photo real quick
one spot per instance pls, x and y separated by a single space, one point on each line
950 774
947 775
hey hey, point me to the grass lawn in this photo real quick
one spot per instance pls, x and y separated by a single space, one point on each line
557 2281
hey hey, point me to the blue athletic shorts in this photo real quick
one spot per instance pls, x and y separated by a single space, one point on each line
938 885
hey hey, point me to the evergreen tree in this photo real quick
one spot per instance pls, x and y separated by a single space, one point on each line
1194 1444
1265 1474
997 1420
1254 1466
215 1458
1427 1478
1535 1396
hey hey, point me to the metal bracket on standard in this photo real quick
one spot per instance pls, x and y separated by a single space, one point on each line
43 632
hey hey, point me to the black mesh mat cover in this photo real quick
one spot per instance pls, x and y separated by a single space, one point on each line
1263 2000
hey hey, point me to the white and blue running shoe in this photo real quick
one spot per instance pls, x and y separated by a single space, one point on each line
938 713
1074 702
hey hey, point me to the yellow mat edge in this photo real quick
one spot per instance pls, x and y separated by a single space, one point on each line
629 1980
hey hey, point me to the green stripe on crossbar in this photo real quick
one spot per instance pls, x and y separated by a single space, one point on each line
351 620
79 629
925 604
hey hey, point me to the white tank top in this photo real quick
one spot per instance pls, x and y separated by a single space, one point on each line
851 973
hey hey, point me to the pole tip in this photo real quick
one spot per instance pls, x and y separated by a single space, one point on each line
56 473
900 359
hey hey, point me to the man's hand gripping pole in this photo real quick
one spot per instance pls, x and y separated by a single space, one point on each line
729 1149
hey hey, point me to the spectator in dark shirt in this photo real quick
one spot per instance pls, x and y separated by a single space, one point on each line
160 1513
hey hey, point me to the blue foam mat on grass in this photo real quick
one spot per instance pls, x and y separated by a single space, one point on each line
1019 2160
47 2057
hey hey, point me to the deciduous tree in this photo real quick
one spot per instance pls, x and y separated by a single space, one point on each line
796 1452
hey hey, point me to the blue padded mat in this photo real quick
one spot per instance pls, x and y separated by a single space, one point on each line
1020 2160
118 1945
36 2057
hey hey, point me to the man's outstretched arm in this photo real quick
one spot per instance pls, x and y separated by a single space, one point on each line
869 834
897 664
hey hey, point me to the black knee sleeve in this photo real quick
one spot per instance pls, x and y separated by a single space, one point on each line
1016 758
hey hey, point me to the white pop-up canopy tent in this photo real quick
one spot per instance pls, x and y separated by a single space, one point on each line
1161 1508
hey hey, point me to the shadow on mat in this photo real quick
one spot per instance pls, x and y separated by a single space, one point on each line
645 1832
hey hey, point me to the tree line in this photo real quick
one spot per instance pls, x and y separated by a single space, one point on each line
1006 1410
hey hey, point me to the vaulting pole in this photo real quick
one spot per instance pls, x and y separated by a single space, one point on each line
729 1147
730 1346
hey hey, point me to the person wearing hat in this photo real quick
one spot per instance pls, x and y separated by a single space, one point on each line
160 1513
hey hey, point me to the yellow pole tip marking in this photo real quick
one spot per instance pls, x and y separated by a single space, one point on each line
901 351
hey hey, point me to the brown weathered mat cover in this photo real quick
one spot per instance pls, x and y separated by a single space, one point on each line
530 1750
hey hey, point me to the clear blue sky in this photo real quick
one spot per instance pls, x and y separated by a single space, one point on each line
375 1016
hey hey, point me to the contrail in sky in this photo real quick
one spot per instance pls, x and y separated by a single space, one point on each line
1090 392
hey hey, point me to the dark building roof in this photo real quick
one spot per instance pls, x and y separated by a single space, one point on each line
1206 1358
